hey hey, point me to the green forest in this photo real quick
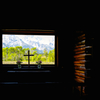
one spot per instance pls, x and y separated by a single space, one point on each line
13 54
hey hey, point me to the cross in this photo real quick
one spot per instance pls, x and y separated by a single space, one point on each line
28 58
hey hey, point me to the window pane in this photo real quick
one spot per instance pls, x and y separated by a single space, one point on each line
14 47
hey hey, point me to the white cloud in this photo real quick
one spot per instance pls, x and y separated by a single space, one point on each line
38 38
21 36
46 39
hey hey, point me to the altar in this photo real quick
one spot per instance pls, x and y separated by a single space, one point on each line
35 71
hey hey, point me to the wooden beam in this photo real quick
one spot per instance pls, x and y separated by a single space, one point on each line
25 32
28 30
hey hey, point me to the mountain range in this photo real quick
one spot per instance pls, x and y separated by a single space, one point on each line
26 42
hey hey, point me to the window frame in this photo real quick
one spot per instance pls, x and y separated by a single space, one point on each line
33 32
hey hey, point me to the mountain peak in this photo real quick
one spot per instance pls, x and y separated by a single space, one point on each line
26 42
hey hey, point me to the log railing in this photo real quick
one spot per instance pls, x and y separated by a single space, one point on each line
83 52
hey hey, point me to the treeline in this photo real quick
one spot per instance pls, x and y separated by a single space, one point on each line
17 53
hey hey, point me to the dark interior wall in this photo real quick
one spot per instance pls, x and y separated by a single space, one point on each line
66 45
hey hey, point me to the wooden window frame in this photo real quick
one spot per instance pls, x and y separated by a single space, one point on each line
34 32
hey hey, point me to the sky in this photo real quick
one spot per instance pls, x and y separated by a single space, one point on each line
38 38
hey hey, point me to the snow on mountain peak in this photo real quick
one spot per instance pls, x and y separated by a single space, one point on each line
29 41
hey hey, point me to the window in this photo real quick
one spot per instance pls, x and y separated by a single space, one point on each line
15 46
